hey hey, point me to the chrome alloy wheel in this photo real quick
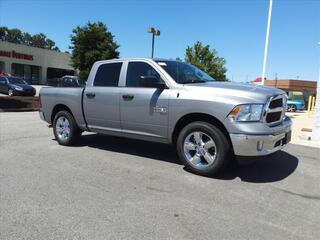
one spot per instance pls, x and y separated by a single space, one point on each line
10 93
63 128
291 108
199 149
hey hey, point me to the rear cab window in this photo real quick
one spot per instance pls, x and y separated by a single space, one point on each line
108 75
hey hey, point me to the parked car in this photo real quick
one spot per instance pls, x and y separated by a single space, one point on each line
15 86
295 104
175 103
69 81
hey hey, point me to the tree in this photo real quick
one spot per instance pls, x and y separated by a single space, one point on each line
207 60
39 40
27 39
15 35
3 33
91 43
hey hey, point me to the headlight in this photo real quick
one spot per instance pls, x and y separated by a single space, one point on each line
18 88
246 113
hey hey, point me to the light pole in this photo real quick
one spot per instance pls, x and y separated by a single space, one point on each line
154 32
267 44
316 116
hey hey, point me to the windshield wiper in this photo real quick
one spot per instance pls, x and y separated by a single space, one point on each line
193 81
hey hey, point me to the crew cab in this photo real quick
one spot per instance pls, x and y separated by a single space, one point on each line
171 102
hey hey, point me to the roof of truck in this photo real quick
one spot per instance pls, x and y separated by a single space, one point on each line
131 59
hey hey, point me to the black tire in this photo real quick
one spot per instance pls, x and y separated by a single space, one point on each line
75 132
223 148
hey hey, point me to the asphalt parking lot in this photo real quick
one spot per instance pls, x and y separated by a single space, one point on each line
113 188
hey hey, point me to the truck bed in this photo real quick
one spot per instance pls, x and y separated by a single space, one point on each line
53 97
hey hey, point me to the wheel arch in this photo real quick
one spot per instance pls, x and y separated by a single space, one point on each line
194 117
57 108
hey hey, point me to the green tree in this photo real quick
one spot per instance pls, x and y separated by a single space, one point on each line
207 60
39 40
91 43
27 39
3 33
15 35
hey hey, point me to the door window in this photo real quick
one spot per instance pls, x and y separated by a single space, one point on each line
108 75
136 70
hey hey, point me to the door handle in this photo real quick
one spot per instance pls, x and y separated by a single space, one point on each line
127 97
90 94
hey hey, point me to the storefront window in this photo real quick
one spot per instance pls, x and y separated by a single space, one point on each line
29 73
2 70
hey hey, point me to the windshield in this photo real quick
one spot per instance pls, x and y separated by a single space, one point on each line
184 73
14 80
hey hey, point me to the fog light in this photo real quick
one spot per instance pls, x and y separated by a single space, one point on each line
260 145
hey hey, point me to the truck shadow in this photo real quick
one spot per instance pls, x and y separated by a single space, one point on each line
271 169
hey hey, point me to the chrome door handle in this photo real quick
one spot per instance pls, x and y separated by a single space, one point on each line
90 94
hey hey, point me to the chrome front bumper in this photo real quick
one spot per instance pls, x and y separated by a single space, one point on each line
259 145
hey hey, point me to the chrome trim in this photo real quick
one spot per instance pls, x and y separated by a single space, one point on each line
278 109
199 149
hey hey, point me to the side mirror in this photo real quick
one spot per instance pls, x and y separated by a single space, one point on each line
152 82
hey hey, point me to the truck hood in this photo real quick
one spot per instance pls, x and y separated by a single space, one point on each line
239 92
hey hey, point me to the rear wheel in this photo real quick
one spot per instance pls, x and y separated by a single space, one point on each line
65 128
203 148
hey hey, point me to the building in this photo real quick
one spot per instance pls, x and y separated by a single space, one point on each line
35 65
296 89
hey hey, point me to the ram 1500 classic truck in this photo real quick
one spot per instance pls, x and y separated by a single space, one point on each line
171 102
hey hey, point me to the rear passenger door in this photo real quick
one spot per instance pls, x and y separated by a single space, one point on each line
101 100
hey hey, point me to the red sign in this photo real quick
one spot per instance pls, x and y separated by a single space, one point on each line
15 54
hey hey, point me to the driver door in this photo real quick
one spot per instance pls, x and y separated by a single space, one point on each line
143 110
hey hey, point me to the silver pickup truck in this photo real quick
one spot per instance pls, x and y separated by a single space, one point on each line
171 102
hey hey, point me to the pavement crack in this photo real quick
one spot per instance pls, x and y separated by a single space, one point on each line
314 197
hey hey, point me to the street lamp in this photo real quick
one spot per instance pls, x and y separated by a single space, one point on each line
154 32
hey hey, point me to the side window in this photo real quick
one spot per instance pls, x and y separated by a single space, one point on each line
2 80
136 70
108 75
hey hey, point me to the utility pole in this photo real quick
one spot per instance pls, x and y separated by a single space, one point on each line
316 115
267 44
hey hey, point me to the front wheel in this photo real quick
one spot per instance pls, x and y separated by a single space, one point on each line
203 148
65 128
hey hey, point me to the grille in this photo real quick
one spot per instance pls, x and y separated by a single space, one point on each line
275 110
273 117
276 103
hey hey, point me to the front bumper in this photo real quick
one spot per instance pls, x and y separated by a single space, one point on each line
262 144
